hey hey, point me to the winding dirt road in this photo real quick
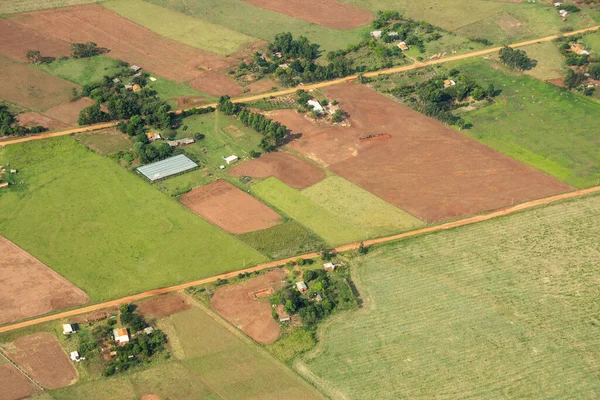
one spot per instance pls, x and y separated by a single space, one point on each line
351 246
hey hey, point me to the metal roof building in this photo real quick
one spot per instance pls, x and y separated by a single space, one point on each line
165 168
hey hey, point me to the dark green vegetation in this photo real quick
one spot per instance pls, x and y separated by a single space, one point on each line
582 64
504 308
10 126
515 59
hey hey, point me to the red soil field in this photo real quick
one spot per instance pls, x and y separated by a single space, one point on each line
425 168
292 170
13 384
261 86
126 40
31 88
30 119
17 40
216 85
41 357
163 306
329 13
29 288
230 208
68 112
238 305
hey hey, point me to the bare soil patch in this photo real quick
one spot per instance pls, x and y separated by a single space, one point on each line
557 82
126 40
93 316
189 101
261 86
425 168
42 357
329 13
68 112
29 288
234 131
30 119
287 167
17 40
14 385
163 306
230 208
150 397
239 305
216 84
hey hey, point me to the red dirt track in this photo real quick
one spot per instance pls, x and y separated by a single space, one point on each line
425 168
230 208
329 13
289 168
252 315
163 306
29 288
17 40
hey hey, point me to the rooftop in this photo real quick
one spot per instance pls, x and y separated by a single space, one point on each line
165 168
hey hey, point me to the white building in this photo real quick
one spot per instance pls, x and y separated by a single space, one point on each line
75 356
316 106
376 34
121 335
301 286
329 267
69 329
231 159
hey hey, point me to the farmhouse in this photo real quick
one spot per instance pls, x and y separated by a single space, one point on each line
563 13
578 48
403 46
135 68
301 286
153 136
231 159
283 66
136 88
121 335
329 267
316 106
448 83
75 356
69 329
376 34
165 168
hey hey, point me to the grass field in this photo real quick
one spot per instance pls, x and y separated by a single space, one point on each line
82 71
106 143
538 123
502 309
183 28
16 6
167 90
254 21
105 229
230 364
550 63
283 240
331 227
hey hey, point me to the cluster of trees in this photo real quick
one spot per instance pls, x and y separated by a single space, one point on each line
10 126
289 47
142 148
584 66
516 59
85 50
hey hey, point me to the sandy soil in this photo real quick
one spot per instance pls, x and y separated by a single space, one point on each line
216 84
68 112
29 288
13 384
17 40
30 119
163 306
287 167
239 305
230 208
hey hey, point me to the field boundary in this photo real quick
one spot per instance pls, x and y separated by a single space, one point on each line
271 264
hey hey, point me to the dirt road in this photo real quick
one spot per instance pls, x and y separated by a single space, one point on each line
351 246
320 84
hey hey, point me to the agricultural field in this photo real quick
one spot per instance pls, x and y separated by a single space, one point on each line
179 95
104 229
82 71
17 40
550 63
106 142
504 308
17 6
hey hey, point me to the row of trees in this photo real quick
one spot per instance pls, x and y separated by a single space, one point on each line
10 126
78 50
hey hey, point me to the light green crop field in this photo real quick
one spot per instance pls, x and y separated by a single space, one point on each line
183 28
550 63
547 127
105 229
105 142
331 227
229 363
502 309
254 21
82 71
360 208
17 6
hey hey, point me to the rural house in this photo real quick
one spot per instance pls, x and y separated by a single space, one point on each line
231 159
135 68
579 49
121 335
329 267
136 88
448 83
69 329
316 106
301 286
376 34
403 46
153 136
563 13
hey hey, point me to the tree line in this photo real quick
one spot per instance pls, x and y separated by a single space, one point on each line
9 125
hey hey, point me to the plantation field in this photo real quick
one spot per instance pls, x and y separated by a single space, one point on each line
229 363
502 309
538 123
17 6
282 241
183 28
105 229
331 227
82 71
257 22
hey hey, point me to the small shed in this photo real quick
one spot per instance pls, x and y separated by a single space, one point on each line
129 86
376 34
75 356
69 329
135 68
116 80
579 49
301 286
403 46
449 82
329 267
3 184
148 330
563 13
121 335
231 159
284 319
316 106
283 66
393 34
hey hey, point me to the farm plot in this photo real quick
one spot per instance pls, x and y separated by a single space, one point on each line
216 84
29 288
329 13
17 6
505 308
106 142
424 168
229 208
30 119
76 203
292 170
41 356
68 112
17 40
82 71
229 363
15 385
154 53
246 305
31 88
163 306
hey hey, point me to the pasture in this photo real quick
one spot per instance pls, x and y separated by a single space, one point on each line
538 123
106 142
502 309
104 229
550 63
82 71
172 91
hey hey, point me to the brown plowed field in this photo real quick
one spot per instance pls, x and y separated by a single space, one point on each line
163 306
29 288
292 170
30 119
126 40
425 168
68 112
329 13
31 88
13 384
238 305
216 85
230 208
261 86
41 357
17 40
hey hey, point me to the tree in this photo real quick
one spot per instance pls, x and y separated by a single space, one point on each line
362 249
92 114
573 79
594 71
516 59
34 56
83 50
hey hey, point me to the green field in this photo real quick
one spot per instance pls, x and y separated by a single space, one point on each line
105 229
331 227
183 28
257 22
538 123
228 362
82 71
550 63
16 6
106 142
167 90
502 309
